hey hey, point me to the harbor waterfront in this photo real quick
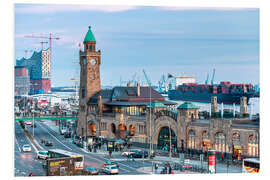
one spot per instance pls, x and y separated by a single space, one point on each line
254 102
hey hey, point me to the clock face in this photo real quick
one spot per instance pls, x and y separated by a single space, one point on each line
93 61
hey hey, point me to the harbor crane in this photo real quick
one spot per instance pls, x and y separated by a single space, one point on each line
146 78
206 81
212 81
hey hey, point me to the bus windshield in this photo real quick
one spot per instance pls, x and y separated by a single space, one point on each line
59 153
251 165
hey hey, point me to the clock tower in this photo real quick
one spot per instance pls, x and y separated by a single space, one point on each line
89 78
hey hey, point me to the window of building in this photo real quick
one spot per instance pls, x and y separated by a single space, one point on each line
252 145
103 126
220 142
83 93
191 139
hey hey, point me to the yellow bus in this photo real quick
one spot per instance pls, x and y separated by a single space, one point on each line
251 165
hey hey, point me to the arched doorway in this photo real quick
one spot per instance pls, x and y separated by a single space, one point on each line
164 139
113 129
131 130
92 129
236 145
122 131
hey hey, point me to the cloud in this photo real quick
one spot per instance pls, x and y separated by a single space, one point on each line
41 9
168 8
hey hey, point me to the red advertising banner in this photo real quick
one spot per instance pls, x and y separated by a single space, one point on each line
211 160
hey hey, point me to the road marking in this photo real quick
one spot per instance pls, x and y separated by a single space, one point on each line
103 160
32 144
18 144
56 138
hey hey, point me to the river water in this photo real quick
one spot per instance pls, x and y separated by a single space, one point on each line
254 105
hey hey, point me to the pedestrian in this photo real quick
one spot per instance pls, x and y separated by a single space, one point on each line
110 153
222 156
170 169
156 168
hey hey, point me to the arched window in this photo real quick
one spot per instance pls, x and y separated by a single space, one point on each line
220 142
253 145
191 139
205 141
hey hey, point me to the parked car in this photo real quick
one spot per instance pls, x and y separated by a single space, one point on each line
126 153
42 155
112 169
91 171
28 123
67 134
62 131
139 153
111 163
48 143
26 148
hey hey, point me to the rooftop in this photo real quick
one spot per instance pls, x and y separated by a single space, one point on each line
89 37
187 105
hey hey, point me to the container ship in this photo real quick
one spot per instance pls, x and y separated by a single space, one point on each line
226 92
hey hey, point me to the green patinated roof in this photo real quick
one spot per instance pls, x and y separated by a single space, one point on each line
156 104
89 36
187 105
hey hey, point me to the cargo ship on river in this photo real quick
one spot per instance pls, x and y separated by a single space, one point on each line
226 92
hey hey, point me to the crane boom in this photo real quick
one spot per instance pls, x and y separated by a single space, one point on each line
206 81
212 81
146 78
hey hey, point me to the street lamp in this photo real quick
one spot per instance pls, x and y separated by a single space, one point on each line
33 111
170 153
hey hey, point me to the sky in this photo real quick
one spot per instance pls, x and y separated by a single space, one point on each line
160 40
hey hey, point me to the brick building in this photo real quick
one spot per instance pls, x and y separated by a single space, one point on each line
22 81
143 116
39 68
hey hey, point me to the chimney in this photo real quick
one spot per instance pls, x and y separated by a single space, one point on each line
138 89
243 106
214 105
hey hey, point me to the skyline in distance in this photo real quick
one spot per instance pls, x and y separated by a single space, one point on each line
160 40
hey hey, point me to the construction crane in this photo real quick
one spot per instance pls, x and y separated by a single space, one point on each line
46 37
212 81
206 81
43 42
162 84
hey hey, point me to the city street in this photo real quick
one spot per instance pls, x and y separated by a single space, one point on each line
26 162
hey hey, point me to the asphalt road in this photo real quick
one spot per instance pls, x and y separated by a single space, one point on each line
27 162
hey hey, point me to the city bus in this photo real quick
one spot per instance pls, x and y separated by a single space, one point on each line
78 159
251 165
